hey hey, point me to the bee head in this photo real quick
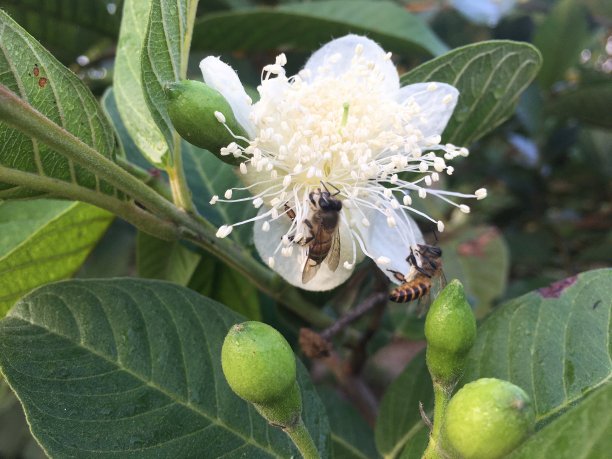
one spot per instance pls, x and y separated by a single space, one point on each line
328 202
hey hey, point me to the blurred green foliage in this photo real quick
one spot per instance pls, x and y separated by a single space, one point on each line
548 168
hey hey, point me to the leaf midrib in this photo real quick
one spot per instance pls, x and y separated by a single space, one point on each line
171 396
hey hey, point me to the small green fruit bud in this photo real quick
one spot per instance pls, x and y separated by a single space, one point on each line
196 109
450 330
259 366
488 418
257 361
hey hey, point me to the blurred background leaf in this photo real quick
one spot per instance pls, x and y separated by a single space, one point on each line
307 25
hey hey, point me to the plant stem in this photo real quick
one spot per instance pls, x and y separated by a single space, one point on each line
160 217
441 398
303 441
155 182
178 182
17 113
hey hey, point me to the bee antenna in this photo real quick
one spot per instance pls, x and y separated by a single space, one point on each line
331 185
435 233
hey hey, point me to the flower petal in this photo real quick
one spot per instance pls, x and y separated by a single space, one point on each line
487 12
220 76
335 57
436 101
383 242
290 268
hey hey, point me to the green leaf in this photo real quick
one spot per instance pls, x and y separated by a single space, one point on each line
39 80
590 104
480 258
164 55
553 342
132 368
208 176
44 241
165 260
308 25
128 148
128 87
399 423
490 77
225 285
351 436
68 28
560 38
583 431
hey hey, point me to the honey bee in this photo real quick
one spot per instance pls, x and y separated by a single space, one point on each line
419 280
323 224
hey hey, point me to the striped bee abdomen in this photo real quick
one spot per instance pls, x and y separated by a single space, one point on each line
410 291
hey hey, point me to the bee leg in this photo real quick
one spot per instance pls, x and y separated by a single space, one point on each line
399 276
422 271
411 259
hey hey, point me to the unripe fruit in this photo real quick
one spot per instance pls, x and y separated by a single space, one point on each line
487 419
258 362
450 330
192 106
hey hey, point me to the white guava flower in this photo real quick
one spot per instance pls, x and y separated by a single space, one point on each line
486 12
344 123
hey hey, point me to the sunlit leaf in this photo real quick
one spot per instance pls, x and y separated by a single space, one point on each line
44 241
553 342
164 55
583 431
490 77
39 80
127 84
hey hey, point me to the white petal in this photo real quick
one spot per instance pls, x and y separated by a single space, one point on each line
220 76
344 49
290 268
487 12
436 101
393 244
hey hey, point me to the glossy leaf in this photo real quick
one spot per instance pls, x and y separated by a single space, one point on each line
480 258
490 77
132 367
399 422
589 104
165 260
128 89
582 431
553 342
35 76
351 437
67 28
308 25
164 55
560 38
44 241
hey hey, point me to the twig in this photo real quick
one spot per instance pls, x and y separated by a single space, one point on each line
370 302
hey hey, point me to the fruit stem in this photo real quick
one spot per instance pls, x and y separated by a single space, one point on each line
302 440
442 396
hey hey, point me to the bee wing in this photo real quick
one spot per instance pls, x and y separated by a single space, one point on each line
310 269
333 258
311 266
